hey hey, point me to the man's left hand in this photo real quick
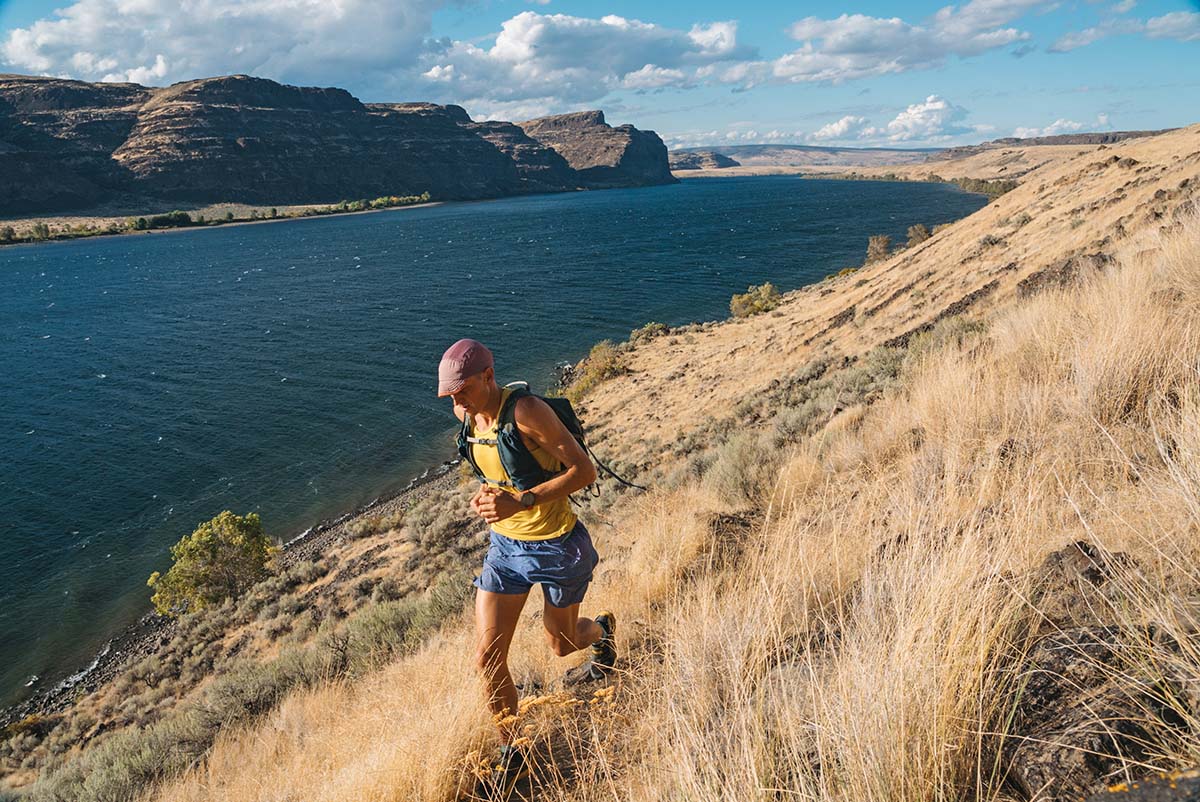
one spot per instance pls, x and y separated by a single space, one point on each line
497 506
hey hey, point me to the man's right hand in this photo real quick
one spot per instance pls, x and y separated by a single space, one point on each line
484 490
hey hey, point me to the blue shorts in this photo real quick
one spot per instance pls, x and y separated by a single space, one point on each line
563 565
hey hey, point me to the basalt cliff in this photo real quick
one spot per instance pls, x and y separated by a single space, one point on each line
71 145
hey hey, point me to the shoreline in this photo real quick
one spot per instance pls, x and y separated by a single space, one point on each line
291 218
140 637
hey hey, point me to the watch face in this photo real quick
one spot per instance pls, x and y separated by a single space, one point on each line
527 498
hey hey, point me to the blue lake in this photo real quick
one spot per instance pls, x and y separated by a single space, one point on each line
150 382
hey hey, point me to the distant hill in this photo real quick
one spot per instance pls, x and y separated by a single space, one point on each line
1096 138
808 155
72 145
700 160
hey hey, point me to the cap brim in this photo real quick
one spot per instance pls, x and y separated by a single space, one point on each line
446 388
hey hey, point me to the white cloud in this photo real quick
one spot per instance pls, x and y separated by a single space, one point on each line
1181 25
1076 39
1060 126
654 77
546 62
351 42
847 127
536 63
856 46
932 120
1123 7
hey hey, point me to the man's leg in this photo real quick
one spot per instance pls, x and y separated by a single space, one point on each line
496 616
566 631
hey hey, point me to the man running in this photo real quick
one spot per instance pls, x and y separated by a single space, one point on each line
535 536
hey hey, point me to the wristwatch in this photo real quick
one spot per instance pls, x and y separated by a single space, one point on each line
527 499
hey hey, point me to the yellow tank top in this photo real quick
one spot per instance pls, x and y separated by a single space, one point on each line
542 521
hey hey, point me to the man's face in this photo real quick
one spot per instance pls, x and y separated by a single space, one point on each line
473 395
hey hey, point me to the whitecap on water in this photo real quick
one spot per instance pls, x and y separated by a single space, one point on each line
101 375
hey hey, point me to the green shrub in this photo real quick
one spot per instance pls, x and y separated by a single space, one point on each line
879 247
216 562
993 189
743 469
756 299
175 219
603 362
917 234
648 332
988 240
8 234
40 231
365 525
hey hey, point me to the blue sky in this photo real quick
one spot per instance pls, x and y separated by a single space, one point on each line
700 73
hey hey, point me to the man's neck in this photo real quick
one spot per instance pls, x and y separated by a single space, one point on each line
492 410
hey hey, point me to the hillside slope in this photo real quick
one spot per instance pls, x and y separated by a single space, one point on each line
858 582
854 577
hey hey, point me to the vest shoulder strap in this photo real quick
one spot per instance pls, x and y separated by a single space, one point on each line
508 410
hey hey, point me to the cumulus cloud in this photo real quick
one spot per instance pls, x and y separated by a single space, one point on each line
856 46
935 119
352 42
546 61
1060 126
536 63
847 127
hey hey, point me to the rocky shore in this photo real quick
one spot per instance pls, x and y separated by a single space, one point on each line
152 631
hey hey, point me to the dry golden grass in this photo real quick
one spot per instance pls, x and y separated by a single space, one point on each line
858 637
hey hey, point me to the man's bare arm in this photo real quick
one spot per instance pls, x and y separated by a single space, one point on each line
539 425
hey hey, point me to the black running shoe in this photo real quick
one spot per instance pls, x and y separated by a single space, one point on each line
509 769
602 655
604 651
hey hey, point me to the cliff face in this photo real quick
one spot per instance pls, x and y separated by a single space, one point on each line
263 142
57 137
603 156
70 144
541 168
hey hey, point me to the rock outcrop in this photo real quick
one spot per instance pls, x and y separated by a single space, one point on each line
70 144
603 156
700 160
1087 711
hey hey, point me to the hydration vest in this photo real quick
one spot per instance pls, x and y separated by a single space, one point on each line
523 469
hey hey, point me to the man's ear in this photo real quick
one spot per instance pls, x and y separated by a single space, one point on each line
489 374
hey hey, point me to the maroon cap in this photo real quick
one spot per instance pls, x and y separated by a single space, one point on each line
460 362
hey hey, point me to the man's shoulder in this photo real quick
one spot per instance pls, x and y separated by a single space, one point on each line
530 407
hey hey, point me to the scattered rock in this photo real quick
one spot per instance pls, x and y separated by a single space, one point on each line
1063 274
